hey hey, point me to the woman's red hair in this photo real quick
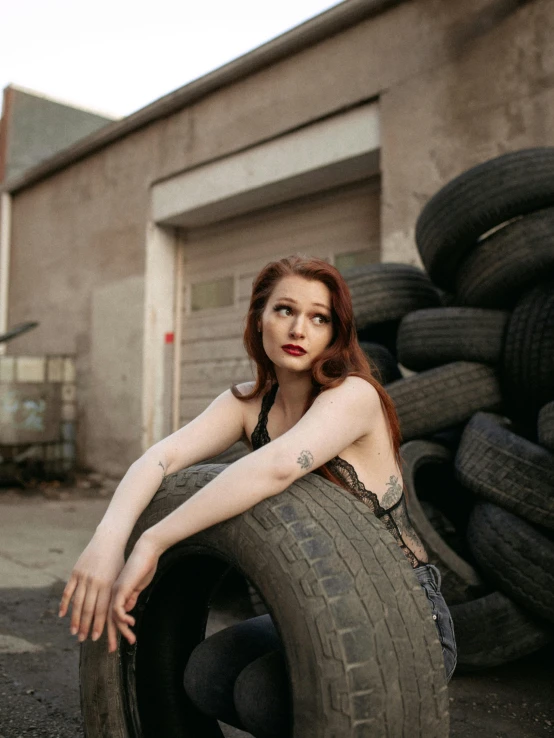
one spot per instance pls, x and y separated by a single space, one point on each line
342 358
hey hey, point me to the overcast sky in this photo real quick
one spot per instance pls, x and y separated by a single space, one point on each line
116 56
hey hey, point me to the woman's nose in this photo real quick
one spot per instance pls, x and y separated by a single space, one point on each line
297 328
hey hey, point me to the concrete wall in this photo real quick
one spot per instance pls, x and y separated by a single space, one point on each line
78 231
457 82
493 93
112 434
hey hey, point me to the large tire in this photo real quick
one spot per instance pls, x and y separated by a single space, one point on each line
436 336
362 649
232 454
527 368
545 426
508 263
382 358
515 557
460 581
493 630
476 201
443 397
384 293
507 469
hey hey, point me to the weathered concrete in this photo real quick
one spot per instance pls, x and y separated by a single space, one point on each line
493 93
112 433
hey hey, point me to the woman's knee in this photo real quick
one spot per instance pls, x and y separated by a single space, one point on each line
262 697
216 662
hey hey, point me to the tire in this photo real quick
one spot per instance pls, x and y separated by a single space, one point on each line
232 454
493 630
460 581
256 602
478 200
442 397
545 424
383 360
436 336
527 366
515 557
341 593
384 293
507 469
508 263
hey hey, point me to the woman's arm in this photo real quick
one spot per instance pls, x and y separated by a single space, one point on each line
336 419
211 433
92 578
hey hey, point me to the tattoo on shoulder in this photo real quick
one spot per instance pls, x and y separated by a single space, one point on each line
306 460
163 468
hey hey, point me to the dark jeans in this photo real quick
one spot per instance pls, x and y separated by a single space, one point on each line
239 676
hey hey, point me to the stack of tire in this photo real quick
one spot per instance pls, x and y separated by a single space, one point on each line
466 351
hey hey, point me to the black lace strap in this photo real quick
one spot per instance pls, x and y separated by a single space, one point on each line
260 435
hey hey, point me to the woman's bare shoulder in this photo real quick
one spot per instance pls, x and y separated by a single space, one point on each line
245 388
357 386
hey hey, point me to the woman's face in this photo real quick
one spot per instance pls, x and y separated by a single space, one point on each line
297 313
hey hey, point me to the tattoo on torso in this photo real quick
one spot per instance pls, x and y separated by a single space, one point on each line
306 460
393 493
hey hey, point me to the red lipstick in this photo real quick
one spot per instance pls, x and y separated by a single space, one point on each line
293 350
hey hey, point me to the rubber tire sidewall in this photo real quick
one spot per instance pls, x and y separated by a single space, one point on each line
337 587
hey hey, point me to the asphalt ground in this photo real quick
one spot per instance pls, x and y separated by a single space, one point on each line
40 539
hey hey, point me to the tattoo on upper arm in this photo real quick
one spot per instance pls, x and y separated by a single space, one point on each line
306 460
163 468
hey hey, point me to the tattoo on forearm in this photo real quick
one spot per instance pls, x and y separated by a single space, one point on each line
163 469
306 460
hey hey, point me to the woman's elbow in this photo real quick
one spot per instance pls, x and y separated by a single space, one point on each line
283 472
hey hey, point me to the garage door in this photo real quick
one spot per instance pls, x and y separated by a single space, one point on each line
222 260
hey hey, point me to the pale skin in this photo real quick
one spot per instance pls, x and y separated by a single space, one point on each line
102 588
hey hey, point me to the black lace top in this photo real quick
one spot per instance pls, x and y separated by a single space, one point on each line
392 508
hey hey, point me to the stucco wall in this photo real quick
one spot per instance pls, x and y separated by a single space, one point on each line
113 397
457 82
78 231
493 93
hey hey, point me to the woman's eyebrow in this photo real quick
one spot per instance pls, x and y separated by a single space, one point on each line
290 299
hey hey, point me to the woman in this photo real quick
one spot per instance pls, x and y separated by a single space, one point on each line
324 401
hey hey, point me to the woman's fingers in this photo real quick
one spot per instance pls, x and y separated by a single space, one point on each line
77 607
112 633
131 601
87 613
124 628
102 605
67 594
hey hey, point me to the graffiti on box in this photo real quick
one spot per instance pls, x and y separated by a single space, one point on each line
29 413
22 413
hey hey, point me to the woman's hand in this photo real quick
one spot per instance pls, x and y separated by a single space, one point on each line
90 585
136 575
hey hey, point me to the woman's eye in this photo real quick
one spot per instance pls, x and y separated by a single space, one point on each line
323 319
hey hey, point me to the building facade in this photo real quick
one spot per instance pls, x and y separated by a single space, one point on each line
327 140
